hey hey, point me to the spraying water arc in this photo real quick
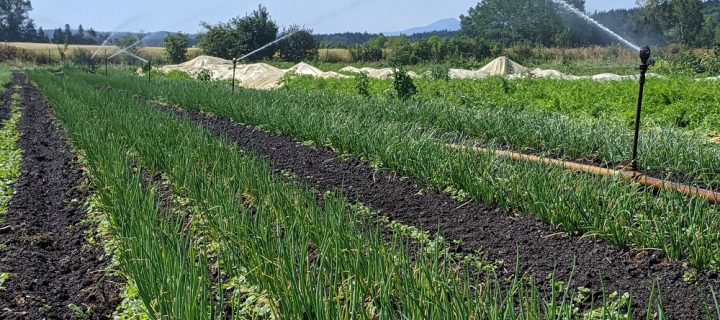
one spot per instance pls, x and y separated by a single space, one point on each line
266 46
597 24
235 61
113 33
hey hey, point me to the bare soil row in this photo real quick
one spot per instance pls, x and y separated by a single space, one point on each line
43 235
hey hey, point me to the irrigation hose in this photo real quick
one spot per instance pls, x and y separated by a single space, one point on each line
631 176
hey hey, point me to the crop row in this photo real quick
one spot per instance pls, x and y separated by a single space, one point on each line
678 102
607 207
10 153
664 152
271 246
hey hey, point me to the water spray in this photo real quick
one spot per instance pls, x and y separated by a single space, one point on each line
236 60
266 46
594 22
644 58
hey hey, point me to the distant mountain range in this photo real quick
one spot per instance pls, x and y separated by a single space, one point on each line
450 24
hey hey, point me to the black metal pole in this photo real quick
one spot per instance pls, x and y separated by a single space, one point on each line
106 66
644 58
233 79
149 69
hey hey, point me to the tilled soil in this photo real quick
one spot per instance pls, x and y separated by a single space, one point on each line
5 110
543 249
45 253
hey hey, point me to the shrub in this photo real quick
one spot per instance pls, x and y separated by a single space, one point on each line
204 75
362 84
403 84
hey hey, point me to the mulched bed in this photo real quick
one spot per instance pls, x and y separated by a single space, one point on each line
543 249
50 264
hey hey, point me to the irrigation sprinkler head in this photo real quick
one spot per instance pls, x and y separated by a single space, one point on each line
645 55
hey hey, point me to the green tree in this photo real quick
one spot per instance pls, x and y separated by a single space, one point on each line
67 32
13 19
299 46
79 37
240 36
514 21
176 46
58 36
689 20
41 36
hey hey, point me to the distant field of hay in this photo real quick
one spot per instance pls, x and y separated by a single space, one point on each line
153 53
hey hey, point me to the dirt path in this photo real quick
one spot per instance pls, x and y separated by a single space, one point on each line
45 253
480 227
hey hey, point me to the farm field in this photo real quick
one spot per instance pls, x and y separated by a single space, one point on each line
43 49
676 102
333 205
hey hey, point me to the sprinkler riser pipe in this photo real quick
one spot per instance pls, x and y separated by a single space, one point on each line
644 58
233 78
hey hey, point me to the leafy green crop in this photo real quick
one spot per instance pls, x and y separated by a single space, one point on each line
10 154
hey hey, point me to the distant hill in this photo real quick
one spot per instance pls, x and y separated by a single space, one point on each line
153 39
450 24
443 28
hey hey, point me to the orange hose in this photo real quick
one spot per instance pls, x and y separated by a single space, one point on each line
632 176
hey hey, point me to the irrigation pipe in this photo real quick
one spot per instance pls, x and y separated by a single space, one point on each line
631 176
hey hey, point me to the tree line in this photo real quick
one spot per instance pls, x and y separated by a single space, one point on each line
16 26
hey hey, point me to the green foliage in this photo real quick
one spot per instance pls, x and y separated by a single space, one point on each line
79 312
440 72
403 84
15 24
371 51
362 84
517 21
10 153
176 46
343 256
3 278
387 132
204 75
240 36
300 46
83 57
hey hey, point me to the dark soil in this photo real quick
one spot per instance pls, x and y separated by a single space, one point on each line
5 110
543 249
45 252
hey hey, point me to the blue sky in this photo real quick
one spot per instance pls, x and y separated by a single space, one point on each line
323 16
